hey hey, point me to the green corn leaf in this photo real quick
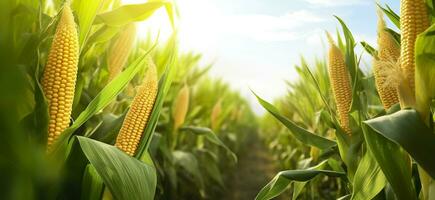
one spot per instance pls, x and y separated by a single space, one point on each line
210 165
297 188
387 134
170 11
350 150
425 72
372 51
86 12
210 136
37 121
125 176
109 129
395 18
394 162
405 128
369 179
350 54
130 13
300 133
189 163
103 34
284 178
92 185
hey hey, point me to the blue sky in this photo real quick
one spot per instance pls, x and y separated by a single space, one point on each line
255 44
269 36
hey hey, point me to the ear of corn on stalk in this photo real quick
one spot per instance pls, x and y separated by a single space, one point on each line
341 86
140 110
389 51
217 108
395 77
181 106
60 75
120 50
413 21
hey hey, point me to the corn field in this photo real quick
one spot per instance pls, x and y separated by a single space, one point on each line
89 110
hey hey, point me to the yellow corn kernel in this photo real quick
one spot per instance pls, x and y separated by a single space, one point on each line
60 74
217 109
389 51
140 110
413 21
341 86
181 106
120 50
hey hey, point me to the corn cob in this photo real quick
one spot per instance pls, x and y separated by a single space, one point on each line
181 106
388 51
217 108
137 117
60 74
120 50
341 86
413 21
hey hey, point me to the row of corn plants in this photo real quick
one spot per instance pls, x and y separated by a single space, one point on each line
356 134
196 141
91 112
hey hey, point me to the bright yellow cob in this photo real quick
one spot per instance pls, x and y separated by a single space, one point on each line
181 106
140 110
413 21
389 52
217 108
341 86
120 50
60 74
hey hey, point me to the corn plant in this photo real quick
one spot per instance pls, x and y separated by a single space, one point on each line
390 146
65 46
186 149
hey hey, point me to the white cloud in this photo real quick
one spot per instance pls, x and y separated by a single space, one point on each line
337 2
315 38
286 27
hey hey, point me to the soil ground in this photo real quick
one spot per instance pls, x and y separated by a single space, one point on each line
254 170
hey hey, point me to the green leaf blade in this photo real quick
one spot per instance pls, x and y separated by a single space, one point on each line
129 13
301 134
407 129
284 178
369 179
210 136
126 177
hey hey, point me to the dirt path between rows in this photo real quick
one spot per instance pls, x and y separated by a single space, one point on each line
255 169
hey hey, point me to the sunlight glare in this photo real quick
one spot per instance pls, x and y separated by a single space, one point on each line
197 25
